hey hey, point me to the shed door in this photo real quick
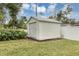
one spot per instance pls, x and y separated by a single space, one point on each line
33 30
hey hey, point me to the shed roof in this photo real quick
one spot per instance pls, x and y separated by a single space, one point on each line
44 19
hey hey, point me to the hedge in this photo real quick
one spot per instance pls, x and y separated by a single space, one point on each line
12 34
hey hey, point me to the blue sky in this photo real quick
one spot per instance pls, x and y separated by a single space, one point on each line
48 9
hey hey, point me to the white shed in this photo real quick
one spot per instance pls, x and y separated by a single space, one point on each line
43 28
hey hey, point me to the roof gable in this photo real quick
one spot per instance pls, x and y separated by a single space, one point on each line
43 20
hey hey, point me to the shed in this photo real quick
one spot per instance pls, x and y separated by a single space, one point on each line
43 28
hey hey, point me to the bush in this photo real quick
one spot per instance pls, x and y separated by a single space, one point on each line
12 34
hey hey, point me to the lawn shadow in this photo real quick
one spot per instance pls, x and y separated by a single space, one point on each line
52 39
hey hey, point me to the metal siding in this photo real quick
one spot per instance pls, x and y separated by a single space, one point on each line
33 30
49 30
70 32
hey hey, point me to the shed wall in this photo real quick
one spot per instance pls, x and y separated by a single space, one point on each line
49 30
32 28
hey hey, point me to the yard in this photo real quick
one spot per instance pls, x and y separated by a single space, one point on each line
27 47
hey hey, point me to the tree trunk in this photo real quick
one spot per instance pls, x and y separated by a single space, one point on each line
14 22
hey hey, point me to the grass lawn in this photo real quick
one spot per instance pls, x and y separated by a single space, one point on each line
26 47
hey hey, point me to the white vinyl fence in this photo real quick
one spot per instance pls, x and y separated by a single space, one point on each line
70 32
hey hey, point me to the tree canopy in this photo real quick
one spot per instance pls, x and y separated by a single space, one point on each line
63 15
14 9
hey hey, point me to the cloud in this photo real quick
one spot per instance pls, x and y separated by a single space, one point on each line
65 6
26 6
20 13
51 8
7 16
33 7
40 9
75 15
22 10
70 15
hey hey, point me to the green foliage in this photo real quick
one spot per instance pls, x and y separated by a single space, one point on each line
68 9
20 23
12 34
62 15
59 16
14 9
1 15
72 21
51 17
10 24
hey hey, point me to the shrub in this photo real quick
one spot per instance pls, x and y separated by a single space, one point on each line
12 34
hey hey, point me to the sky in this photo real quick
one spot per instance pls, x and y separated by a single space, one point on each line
47 9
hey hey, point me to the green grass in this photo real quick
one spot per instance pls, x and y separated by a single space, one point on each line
27 47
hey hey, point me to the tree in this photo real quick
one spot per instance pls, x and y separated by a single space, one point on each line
1 15
68 10
24 18
72 21
14 9
22 23
51 17
63 15
59 16
1 12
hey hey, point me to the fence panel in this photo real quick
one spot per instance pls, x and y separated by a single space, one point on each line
70 32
